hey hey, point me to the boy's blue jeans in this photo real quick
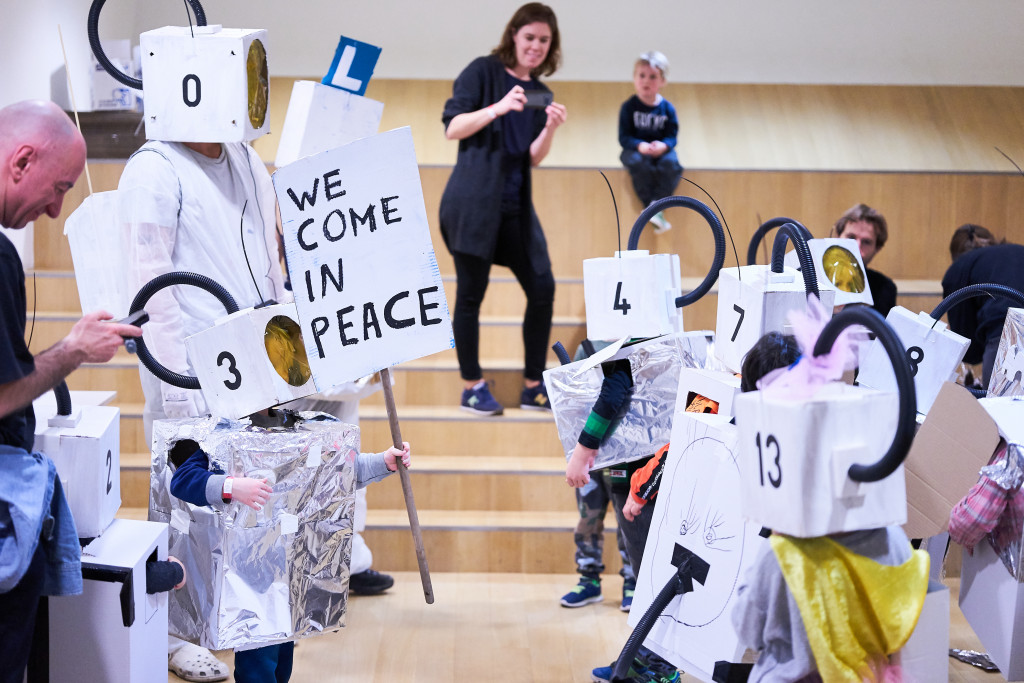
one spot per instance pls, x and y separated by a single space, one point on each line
270 664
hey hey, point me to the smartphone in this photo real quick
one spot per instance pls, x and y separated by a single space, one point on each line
538 99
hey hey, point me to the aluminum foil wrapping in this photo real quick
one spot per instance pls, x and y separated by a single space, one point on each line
647 423
1006 539
1007 377
258 578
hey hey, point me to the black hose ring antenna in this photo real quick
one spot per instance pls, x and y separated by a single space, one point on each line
101 56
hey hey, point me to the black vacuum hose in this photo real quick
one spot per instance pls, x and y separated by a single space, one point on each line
767 227
788 232
63 398
92 25
147 292
907 422
716 230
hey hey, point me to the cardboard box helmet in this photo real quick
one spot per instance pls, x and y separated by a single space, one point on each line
805 473
754 300
205 83
248 361
636 294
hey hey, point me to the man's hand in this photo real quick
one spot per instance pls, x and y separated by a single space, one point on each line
252 492
92 340
392 455
577 471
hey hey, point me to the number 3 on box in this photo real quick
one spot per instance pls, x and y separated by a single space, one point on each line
620 304
230 383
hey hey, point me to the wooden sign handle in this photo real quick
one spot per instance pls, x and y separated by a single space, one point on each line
403 473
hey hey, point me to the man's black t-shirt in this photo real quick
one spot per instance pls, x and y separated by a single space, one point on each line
18 428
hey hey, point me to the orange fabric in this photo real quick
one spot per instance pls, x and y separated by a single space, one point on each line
641 478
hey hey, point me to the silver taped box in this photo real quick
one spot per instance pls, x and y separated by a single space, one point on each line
259 578
1007 377
647 424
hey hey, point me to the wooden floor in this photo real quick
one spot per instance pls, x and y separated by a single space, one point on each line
497 627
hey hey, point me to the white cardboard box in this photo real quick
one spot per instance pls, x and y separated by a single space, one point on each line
925 657
753 301
993 603
718 385
796 453
320 118
114 631
196 84
934 352
88 460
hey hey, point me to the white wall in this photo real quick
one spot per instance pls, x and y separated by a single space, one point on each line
30 46
942 42
949 42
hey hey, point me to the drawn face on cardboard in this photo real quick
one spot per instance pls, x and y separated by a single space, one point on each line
704 518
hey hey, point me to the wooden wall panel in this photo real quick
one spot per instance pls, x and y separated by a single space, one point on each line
576 210
737 126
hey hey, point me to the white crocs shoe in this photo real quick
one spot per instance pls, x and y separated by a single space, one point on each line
193 663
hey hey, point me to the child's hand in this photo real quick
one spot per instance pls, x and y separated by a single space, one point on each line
252 492
392 455
577 472
184 574
630 509
657 148
644 148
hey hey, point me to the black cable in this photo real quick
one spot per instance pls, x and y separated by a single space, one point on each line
618 227
245 252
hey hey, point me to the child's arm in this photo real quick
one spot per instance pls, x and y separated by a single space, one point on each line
614 392
372 467
193 482
644 484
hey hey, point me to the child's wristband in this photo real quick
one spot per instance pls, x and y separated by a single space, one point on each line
226 493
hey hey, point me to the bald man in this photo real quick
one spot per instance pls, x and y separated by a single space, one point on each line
41 157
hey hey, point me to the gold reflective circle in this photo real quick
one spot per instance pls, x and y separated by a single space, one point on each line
259 83
286 351
842 269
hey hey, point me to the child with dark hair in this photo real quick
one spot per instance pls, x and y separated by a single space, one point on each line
771 352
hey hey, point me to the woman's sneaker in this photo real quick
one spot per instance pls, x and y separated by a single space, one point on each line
535 398
480 401
587 591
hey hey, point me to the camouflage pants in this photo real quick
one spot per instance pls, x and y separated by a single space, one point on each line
592 501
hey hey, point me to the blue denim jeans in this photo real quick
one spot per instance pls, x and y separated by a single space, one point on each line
39 551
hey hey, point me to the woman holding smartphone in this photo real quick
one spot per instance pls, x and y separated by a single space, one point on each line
504 119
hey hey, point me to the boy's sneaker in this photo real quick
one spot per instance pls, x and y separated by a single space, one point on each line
535 398
656 669
628 588
587 591
636 674
480 401
660 224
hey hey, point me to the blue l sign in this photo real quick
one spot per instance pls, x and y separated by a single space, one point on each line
353 65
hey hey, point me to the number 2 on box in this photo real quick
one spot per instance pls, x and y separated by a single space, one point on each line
620 303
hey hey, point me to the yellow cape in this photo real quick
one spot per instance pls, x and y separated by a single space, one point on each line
855 611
